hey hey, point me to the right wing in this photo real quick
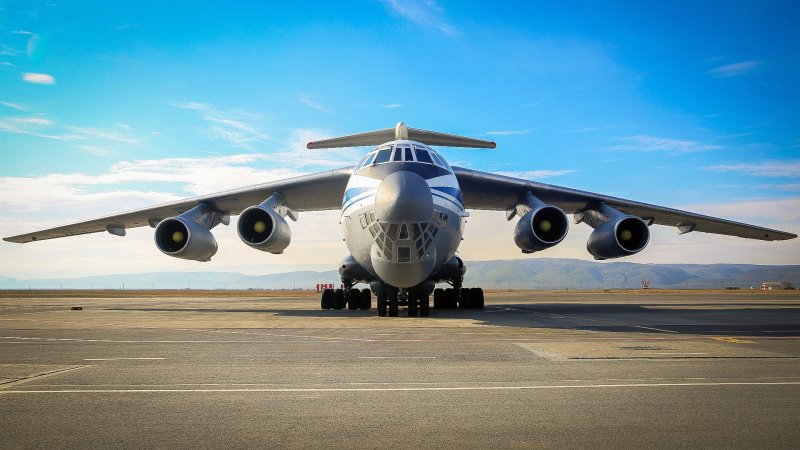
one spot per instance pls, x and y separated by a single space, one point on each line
314 192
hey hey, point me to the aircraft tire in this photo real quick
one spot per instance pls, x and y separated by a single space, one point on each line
438 298
393 305
450 298
365 300
477 301
338 298
353 299
412 304
424 306
465 302
327 299
382 303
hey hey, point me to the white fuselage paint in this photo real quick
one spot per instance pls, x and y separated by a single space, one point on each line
405 250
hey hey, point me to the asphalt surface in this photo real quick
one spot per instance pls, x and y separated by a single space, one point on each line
617 369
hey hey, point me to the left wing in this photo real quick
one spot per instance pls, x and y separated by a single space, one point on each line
482 190
313 192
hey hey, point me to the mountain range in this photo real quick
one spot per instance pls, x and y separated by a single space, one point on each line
540 273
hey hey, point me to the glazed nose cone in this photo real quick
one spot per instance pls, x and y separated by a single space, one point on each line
403 197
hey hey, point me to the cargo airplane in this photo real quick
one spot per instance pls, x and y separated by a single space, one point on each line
403 209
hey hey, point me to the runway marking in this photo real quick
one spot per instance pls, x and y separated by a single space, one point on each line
122 359
397 357
36 376
407 389
733 340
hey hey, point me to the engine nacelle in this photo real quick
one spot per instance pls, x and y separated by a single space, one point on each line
262 228
623 236
186 239
541 228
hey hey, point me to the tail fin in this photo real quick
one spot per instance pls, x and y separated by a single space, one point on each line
402 132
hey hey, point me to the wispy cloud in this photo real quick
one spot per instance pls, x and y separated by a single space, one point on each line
644 143
33 121
16 106
536 174
95 150
17 126
426 13
38 78
234 126
392 106
735 70
773 169
507 133
97 133
312 104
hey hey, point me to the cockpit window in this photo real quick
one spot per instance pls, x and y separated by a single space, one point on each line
367 160
398 154
409 156
383 155
423 156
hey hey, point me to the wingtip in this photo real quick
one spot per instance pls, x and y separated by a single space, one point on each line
308 146
494 144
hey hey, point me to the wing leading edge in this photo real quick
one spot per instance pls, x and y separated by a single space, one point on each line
482 190
314 192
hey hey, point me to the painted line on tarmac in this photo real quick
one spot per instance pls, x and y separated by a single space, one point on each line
405 389
122 359
396 357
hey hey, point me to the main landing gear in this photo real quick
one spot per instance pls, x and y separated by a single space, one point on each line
351 299
390 299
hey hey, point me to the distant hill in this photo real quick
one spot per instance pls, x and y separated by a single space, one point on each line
539 273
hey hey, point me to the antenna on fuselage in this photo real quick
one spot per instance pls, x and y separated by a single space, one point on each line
401 131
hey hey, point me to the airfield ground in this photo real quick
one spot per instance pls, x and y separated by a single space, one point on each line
270 369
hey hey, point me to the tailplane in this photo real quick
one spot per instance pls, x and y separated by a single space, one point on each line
401 131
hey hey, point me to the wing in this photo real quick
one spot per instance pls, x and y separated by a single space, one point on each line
315 192
483 190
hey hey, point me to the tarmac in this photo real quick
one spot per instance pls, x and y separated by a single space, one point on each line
206 369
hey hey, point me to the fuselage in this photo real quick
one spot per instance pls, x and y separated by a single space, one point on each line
402 213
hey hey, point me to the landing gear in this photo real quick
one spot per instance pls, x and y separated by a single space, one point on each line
393 303
382 303
463 298
365 300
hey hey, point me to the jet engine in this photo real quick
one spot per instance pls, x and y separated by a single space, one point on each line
183 238
622 236
264 229
540 228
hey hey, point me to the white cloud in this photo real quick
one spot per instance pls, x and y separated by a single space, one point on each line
38 78
536 174
30 129
312 104
33 121
16 106
97 133
763 169
233 126
508 133
426 13
392 106
735 70
645 143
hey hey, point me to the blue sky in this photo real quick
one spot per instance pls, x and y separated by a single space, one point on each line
108 106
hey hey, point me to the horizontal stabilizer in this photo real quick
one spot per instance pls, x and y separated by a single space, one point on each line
402 132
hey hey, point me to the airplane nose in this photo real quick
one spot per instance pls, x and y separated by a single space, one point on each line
403 196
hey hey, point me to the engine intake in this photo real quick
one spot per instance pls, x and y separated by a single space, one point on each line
183 238
623 236
262 228
541 228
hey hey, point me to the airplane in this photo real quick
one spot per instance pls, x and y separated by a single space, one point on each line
403 209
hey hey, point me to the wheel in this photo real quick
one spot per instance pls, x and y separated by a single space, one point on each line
412 304
438 298
465 302
353 299
327 299
477 300
393 304
338 298
365 300
424 306
450 298
382 303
